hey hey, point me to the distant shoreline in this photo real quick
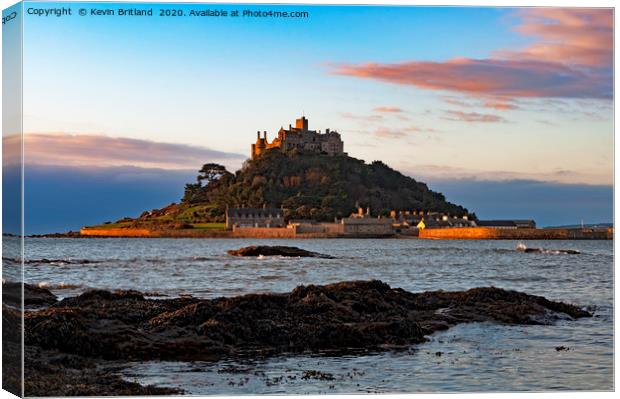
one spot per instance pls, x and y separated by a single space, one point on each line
473 233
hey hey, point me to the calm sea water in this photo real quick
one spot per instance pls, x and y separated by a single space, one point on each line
474 357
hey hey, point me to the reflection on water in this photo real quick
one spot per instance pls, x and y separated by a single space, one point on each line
467 358
475 357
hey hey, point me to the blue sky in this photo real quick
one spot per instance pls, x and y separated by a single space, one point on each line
440 93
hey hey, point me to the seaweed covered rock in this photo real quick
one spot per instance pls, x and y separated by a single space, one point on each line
266 250
33 296
345 316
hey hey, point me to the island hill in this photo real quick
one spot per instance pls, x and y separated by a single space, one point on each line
303 185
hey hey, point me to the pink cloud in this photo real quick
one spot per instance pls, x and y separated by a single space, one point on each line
434 172
458 102
572 58
488 77
396 133
496 103
416 129
366 118
500 104
386 133
388 109
569 35
97 150
472 117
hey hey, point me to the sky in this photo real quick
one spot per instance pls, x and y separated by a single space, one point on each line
466 99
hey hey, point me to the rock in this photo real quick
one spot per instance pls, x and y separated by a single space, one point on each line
523 248
266 250
68 234
552 251
317 375
72 346
339 317
52 373
33 296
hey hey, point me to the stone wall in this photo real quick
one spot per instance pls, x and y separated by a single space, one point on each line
488 233
263 232
115 232
367 227
313 228
146 233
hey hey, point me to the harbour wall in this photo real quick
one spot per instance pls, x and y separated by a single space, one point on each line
263 232
237 232
488 233
115 232
147 233
464 233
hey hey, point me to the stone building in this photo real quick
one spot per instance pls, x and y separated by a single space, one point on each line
445 223
363 224
508 224
359 224
300 137
361 227
429 219
254 217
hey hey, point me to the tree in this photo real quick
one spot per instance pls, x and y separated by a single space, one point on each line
191 190
211 172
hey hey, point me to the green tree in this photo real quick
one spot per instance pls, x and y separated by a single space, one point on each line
211 172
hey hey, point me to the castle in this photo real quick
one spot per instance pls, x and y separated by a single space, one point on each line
300 137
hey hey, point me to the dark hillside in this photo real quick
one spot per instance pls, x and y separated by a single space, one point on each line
316 186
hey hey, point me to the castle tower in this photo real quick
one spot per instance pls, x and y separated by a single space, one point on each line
302 123
261 144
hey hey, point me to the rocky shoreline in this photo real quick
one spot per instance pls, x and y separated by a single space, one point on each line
73 345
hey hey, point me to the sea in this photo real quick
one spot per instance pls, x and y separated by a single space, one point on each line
571 355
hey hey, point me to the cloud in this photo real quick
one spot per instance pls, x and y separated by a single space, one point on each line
387 133
364 118
569 35
400 132
458 102
98 150
417 129
489 77
436 173
572 58
388 109
497 103
500 104
472 117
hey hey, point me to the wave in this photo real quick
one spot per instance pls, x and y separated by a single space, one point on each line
518 278
170 260
275 257
58 286
59 262
271 277
203 258
523 248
